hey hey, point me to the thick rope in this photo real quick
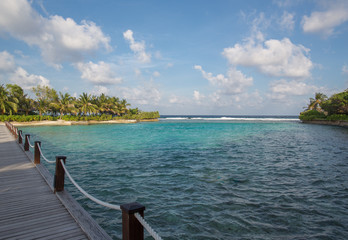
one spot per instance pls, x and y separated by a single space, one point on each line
147 226
28 139
105 204
44 156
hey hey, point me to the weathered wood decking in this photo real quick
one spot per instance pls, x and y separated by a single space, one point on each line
28 207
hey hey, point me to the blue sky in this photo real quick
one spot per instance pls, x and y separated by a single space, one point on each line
180 57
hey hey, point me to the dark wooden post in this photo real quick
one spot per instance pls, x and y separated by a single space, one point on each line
26 142
131 227
59 175
20 141
37 152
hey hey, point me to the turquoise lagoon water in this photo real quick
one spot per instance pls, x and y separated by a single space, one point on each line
211 178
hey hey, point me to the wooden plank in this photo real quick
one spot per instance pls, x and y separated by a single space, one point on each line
50 233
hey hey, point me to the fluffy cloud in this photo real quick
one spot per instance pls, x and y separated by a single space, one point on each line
156 74
59 39
282 88
7 63
26 80
273 57
197 96
97 90
174 99
345 69
287 21
324 22
235 82
146 94
241 101
98 73
18 75
137 47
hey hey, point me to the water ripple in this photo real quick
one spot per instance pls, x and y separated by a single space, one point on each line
212 180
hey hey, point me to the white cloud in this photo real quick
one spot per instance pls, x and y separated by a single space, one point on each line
156 74
26 80
169 65
174 99
137 47
279 58
284 3
287 21
7 63
197 96
325 22
345 69
282 88
144 95
241 101
99 73
59 39
18 75
97 90
137 72
235 82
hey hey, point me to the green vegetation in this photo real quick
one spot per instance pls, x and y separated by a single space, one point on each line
321 107
15 105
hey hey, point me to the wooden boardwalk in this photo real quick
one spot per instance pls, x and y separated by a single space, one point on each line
28 207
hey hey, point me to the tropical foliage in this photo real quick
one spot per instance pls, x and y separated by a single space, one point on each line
15 105
334 108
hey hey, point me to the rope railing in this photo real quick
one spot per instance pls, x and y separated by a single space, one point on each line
108 205
147 227
32 146
105 204
49 161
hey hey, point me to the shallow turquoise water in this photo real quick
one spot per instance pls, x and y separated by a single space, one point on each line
211 180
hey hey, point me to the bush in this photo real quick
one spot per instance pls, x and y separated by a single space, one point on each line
311 115
103 117
24 118
338 117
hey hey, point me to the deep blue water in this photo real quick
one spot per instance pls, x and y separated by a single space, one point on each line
202 178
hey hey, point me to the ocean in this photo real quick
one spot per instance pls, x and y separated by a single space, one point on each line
211 177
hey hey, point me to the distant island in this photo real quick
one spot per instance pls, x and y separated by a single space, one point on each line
16 106
324 110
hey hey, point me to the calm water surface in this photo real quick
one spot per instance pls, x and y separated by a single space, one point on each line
211 179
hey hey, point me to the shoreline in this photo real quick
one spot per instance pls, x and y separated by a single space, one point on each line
70 123
326 122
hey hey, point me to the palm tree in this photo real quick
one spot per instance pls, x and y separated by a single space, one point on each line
27 105
16 92
63 104
103 103
41 105
45 96
86 105
114 105
315 104
7 104
123 106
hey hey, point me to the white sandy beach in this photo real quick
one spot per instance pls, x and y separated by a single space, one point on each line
69 123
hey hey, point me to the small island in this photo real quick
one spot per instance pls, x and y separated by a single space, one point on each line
328 111
52 108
